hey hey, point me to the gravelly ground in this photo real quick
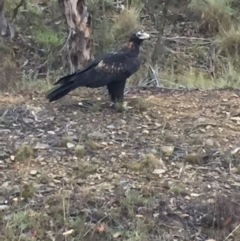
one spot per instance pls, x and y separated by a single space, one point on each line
178 150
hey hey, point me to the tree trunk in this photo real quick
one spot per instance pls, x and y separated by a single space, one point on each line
80 37
158 51
3 21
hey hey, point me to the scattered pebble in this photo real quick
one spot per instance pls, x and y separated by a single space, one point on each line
70 145
167 150
209 142
33 172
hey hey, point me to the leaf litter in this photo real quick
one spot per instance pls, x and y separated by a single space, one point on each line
152 172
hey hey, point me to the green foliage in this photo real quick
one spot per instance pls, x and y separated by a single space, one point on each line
45 35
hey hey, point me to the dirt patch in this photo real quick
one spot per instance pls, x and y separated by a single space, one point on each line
8 99
166 168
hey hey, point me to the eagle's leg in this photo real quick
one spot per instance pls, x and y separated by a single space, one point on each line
116 91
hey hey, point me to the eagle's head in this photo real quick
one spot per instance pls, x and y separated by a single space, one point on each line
138 37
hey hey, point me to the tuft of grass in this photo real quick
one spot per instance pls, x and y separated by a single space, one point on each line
194 78
176 189
27 190
30 83
140 104
126 22
44 178
8 75
92 145
64 141
114 26
229 41
95 108
212 14
5 122
229 73
149 161
119 106
24 153
85 168
54 200
80 151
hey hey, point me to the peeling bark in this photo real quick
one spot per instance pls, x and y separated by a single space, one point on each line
80 37
3 21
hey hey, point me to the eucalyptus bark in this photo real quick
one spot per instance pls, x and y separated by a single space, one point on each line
79 42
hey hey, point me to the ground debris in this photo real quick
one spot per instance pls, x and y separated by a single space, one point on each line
166 168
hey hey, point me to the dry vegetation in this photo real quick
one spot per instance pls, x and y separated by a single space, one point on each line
166 168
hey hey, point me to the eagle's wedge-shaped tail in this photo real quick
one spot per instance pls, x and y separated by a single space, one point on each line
59 91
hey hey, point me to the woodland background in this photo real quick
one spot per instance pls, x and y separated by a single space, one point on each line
167 168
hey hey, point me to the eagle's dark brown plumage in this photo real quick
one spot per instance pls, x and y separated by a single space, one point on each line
111 70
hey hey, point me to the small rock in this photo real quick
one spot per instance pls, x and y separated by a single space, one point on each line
168 126
56 181
117 235
97 135
209 142
67 180
51 184
12 158
201 120
41 146
4 207
195 194
4 185
33 172
145 132
167 150
111 127
159 171
51 132
28 120
234 170
70 145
